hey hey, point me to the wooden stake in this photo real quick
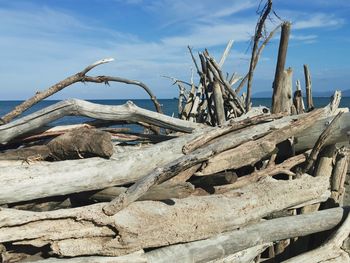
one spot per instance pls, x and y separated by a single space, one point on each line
281 61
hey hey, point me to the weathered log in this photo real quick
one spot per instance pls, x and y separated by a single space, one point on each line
282 168
321 141
158 192
80 144
65 177
226 160
129 112
258 234
225 129
125 167
330 250
219 103
252 151
309 101
37 152
87 231
281 60
338 176
75 144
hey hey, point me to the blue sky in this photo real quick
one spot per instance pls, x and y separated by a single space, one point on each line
42 42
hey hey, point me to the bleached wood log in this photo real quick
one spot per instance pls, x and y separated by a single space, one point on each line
254 235
281 60
128 111
248 255
244 154
308 87
125 167
88 231
254 150
219 103
330 250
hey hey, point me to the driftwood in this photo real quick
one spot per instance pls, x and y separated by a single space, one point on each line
75 144
128 111
309 101
87 231
258 234
330 251
281 60
222 183
219 162
95 173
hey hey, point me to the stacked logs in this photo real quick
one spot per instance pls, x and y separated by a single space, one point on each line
224 182
263 186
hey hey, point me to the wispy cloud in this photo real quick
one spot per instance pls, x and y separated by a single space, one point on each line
317 21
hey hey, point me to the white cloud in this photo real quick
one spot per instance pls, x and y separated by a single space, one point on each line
317 21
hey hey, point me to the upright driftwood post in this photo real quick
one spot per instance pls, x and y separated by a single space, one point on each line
309 101
279 74
219 103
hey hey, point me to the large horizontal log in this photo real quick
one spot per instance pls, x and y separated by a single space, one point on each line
330 251
257 234
127 112
88 231
82 175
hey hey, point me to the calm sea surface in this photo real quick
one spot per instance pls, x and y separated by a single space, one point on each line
169 106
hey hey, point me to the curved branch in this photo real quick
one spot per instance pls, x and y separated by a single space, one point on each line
127 112
39 96
106 79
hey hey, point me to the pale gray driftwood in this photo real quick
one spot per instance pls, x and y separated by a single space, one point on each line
67 177
127 112
330 250
254 235
88 231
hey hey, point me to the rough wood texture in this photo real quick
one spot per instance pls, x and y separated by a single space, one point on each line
128 111
219 103
53 89
258 234
75 144
308 87
87 231
281 61
321 141
339 175
158 192
125 167
330 250
254 150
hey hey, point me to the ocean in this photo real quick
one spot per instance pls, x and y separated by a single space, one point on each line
169 106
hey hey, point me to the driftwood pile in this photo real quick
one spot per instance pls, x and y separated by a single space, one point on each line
224 182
